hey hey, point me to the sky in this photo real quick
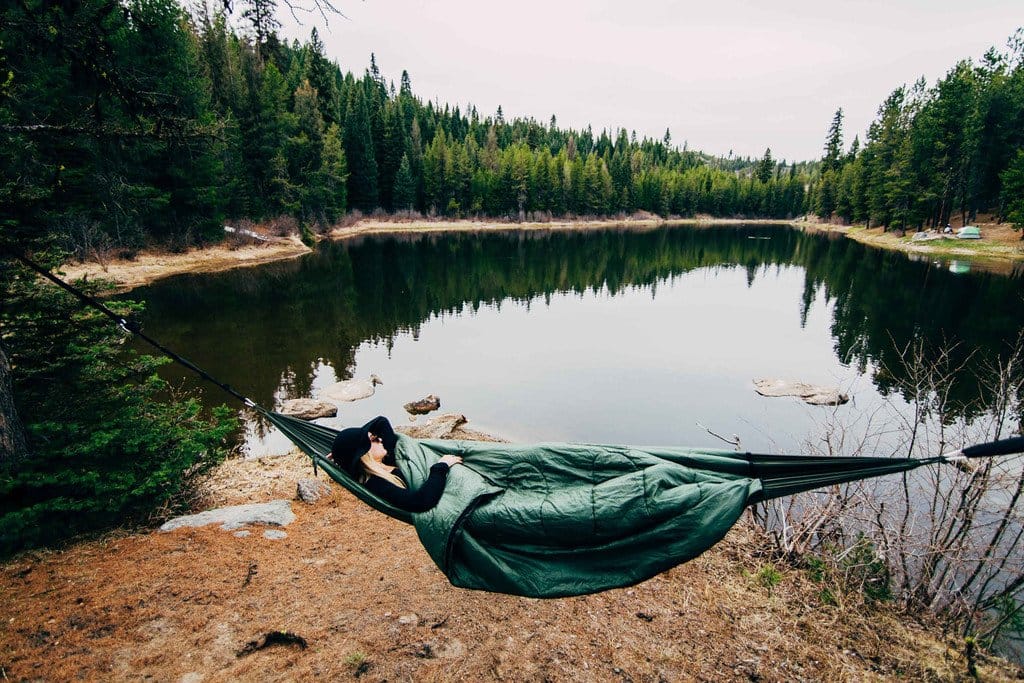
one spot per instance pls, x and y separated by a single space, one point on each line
723 75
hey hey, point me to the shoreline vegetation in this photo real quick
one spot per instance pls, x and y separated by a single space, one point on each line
357 587
1001 250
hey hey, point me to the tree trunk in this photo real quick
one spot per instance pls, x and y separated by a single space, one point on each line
12 438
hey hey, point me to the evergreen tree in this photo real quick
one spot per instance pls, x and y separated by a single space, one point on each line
394 148
765 167
303 151
833 144
362 179
1013 192
331 191
261 16
266 126
320 74
404 196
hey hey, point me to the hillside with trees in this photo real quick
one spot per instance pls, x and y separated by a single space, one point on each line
953 149
176 122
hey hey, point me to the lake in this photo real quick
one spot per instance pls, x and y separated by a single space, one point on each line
610 336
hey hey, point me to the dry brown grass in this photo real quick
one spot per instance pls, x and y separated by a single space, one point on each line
153 265
360 589
1000 249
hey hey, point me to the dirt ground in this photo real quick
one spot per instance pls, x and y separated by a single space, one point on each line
369 604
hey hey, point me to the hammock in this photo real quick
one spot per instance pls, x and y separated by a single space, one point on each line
553 520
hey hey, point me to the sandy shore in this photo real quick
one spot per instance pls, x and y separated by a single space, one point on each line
369 603
151 266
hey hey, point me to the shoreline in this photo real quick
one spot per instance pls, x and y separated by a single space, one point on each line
1001 251
1003 254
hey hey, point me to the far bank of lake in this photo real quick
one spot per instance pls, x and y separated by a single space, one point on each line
1003 256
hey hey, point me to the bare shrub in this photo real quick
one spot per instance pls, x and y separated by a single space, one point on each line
83 238
245 224
350 219
406 216
283 226
236 240
941 540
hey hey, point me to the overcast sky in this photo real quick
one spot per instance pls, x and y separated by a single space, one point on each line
723 75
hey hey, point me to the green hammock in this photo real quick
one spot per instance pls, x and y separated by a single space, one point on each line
553 520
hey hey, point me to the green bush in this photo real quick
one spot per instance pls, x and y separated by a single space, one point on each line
109 443
858 567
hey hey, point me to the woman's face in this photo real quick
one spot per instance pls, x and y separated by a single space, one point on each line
377 450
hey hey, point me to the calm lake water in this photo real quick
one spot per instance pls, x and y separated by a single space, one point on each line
613 336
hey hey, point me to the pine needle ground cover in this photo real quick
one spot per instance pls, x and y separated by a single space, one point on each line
366 598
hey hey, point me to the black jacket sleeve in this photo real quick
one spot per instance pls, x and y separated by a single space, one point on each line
420 500
381 427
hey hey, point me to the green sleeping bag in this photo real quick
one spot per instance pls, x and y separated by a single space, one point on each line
551 520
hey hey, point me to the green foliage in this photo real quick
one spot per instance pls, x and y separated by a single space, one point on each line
932 152
171 122
107 446
362 180
859 568
766 167
769 576
1013 191
833 144
1009 619
404 195
356 658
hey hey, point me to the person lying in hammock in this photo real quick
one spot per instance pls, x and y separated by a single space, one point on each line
367 454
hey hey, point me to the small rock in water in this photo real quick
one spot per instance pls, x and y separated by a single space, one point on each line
809 393
308 408
351 390
310 490
423 406
440 427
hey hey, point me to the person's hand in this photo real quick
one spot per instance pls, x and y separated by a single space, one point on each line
451 460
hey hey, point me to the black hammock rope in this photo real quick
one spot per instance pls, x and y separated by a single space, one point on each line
781 475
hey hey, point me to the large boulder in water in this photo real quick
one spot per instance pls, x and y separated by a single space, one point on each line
446 426
351 390
808 393
308 408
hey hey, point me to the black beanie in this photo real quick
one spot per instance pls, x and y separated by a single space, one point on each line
349 446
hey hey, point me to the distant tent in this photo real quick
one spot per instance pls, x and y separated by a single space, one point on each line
969 232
